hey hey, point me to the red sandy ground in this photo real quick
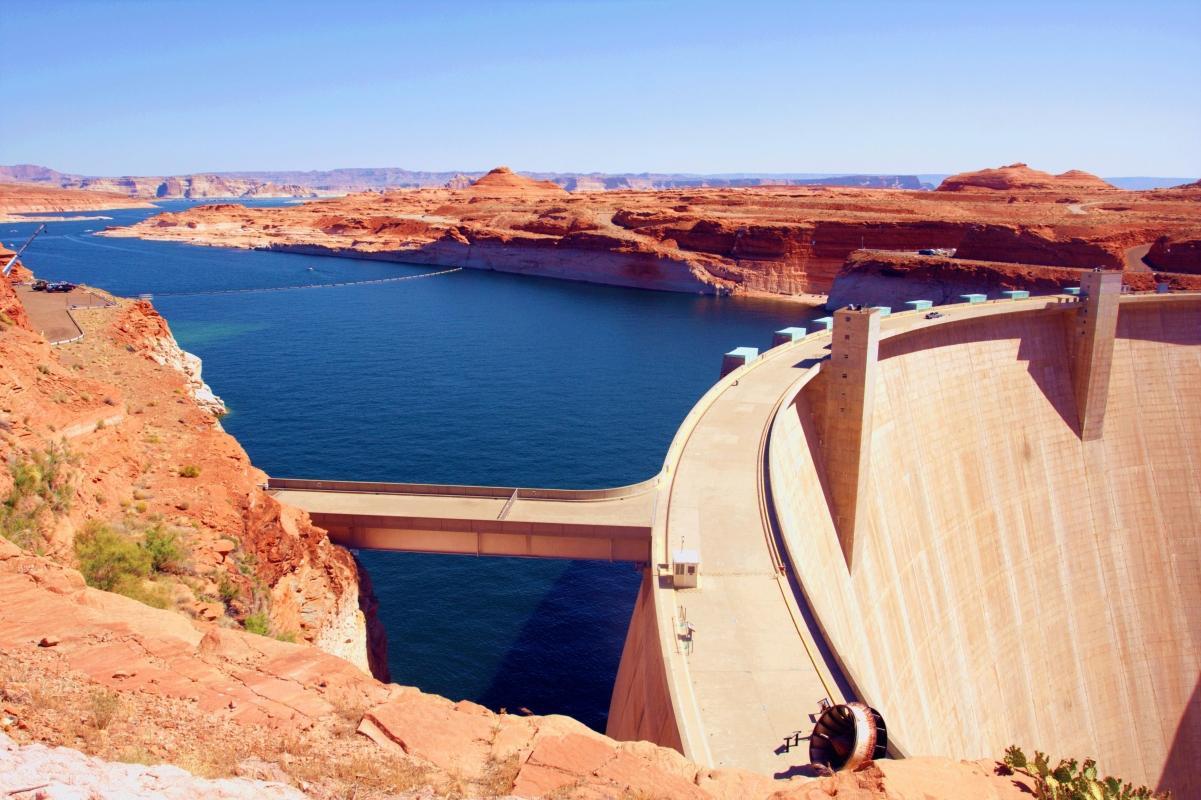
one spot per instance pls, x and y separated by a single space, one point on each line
777 240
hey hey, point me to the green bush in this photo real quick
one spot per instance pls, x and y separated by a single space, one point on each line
41 486
258 623
167 553
1070 780
44 476
227 589
189 471
107 558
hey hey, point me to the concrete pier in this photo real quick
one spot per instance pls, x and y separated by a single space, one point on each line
738 357
787 335
1096 325
851 396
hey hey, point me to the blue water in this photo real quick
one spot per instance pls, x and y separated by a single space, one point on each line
472 377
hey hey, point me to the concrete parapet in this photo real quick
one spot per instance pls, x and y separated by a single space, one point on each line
919 305
738 357
787 335
825 322
1096 326
1016 294
850 399
1072 290
884 310
974 298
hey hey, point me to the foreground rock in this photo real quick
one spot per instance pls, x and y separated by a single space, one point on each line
58 773
788 241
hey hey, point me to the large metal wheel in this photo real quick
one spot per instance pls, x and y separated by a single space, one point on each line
847 736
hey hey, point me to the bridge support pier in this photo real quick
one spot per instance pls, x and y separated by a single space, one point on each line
850 397
1096 328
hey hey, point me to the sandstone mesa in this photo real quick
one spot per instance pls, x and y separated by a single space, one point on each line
779 241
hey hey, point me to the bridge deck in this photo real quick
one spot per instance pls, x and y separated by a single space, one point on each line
611 525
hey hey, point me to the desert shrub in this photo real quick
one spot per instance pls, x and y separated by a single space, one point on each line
227 589
42 478
189 471
41 487
107 558
1070 780
258 623
167 553
105 705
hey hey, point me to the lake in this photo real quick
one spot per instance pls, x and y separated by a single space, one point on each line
470 377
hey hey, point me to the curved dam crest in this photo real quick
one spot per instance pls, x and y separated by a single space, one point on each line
1013 582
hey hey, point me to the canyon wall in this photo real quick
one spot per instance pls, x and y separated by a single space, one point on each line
1015 584
133 435
152 187
26 199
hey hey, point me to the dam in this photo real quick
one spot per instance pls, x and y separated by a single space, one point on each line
986 523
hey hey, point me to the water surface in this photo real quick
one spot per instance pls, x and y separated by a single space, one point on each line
472 377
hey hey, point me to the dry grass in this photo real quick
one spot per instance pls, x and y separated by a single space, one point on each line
499 776
328 760
105 705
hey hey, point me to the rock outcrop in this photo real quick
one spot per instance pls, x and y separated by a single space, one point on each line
18 198
1176 254
1021 178
503 181
130 429
768 240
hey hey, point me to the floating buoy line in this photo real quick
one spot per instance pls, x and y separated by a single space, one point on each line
148 295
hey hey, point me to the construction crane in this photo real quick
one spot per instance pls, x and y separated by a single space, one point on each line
9 266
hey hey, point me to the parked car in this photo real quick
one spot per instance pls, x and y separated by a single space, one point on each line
59 286
926 251
39 285
934 315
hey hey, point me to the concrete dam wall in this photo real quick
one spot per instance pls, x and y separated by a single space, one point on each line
1014 582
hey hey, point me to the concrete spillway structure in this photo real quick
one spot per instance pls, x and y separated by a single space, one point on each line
986 525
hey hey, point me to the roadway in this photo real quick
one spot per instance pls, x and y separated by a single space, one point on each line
607 524
757 667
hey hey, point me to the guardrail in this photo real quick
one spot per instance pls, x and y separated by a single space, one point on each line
454 490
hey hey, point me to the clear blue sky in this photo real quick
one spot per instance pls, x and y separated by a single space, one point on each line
145 87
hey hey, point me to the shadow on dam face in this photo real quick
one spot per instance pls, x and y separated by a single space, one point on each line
1018 585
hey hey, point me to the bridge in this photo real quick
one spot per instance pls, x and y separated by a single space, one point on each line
875 506
600 524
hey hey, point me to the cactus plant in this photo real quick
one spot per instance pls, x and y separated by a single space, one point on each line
1071 780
